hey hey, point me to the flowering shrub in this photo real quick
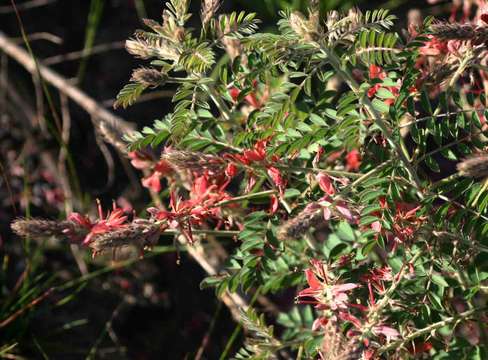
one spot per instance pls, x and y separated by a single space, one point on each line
329 148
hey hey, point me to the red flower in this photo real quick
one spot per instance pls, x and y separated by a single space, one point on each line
82 221
153 181
258 153
250 98
376 72
325 183
114 220
234 93
419 348
434 47
202 204
231 170
353 160
277 178
376 279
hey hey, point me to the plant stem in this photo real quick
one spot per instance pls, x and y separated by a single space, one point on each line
217 233
374 314
428 329
217 99
246 197
318 170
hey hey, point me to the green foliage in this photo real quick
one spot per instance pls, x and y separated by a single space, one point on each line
129 95
338 120
262 345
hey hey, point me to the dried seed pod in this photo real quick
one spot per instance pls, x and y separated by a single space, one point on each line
140 233
475 166
310 217
149 77
41 228
464 32
195 162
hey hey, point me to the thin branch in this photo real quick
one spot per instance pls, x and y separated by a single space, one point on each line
75 55
427 330
98 112
26 6
40 36
448 114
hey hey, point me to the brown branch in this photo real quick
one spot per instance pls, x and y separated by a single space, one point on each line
26 6
99 113
75 55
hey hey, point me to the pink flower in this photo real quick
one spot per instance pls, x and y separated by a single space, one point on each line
82 221
319 323
325 183
322 292
277 178
317 156
376 226
140 160
342 208
153 182
386 331
471 332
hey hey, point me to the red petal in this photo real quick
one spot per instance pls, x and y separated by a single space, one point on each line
312 279
234 93
152 182
353 160
274 204
325 184
275 175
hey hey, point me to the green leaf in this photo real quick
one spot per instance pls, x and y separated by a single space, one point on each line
432 164
439 280
380 106
129 94
345 231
